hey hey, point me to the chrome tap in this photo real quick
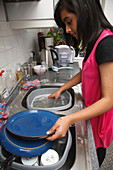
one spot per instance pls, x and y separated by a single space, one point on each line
14 88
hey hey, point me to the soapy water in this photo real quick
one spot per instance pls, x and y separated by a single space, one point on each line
42 101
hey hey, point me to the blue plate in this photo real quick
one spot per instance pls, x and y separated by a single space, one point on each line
24 148
31 123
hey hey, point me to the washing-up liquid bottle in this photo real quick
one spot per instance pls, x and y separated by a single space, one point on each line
19 74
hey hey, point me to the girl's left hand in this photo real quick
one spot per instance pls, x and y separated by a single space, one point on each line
60 127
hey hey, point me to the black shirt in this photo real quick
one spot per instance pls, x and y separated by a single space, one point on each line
104 50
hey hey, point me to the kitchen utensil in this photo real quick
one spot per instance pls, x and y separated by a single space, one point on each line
22 147
31 123
50 157
54 68
29 160
45 41
56 144
38 99
44 49
47 55
42 71
64 53
44 75
38 69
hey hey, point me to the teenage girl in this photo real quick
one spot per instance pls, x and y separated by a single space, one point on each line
84 20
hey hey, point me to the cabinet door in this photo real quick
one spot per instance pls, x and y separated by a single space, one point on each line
30 10
108 10
55 2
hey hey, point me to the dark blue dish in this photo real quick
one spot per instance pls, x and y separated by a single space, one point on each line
31 123
22 147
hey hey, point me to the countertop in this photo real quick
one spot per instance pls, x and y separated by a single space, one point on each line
86 158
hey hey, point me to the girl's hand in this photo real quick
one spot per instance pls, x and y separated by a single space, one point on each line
55 95
60 127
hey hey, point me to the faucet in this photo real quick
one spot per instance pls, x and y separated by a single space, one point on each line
14 88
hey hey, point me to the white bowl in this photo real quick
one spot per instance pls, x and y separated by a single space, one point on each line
49 158
39 69
29 160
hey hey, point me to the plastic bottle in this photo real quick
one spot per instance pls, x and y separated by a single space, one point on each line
3 89
0 87
9 80
19 75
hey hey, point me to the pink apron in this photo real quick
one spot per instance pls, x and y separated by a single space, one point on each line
102 125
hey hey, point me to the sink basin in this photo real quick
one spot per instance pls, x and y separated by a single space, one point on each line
61 108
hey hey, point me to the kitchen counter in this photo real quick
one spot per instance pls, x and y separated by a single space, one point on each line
86 158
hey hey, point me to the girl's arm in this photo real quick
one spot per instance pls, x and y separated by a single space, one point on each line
74 81
101 106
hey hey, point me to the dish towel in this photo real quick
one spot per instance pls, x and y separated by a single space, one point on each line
3 114
31 84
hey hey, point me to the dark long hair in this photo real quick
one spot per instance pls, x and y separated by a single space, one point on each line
90 20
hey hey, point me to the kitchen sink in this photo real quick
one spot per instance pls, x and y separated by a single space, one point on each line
71 93
79 155
59 145
79 149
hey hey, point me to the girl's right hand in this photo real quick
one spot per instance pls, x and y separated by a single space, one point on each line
60 128
55 95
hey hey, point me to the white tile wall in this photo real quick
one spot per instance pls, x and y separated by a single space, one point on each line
15 45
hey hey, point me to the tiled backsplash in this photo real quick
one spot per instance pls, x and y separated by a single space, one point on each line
15 45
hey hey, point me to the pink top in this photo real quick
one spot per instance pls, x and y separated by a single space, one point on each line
102 125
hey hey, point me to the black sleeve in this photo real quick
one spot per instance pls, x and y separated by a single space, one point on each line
104 50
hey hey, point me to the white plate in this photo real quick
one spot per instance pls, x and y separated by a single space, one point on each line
29 160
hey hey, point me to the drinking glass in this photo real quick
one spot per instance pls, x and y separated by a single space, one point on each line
44 73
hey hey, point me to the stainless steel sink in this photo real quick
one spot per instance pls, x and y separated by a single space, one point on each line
59 144
79 156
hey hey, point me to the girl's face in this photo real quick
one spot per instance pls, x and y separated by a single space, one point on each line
70 21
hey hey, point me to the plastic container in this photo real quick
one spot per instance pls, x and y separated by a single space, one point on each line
64 53
10 80
4 92
55 166
19 74
63 62
38 99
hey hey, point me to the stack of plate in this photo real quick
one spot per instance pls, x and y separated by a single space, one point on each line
25 132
